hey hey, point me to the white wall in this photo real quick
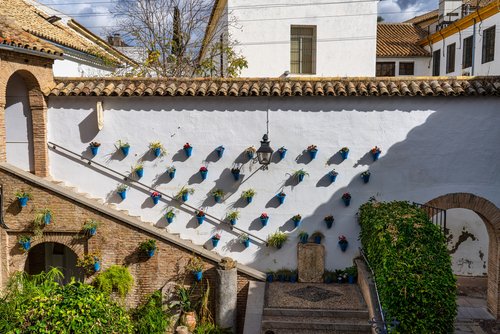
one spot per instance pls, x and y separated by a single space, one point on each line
430 147
422 67
490 68
346 35
70 68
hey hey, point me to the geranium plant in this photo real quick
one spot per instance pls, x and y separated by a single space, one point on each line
346 196
312 148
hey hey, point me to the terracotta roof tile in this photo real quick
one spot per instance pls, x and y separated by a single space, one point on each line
410 86
400 40
430 16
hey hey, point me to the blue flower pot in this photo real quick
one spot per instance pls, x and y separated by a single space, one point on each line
23 201
269 278
232 221
157 152
333 177
246 243
296 223
304 238
281 199
250 155
151 252
198 275
343 246
264 221
171 174
327 280
123 194
282 154
215 242
236 176
220 151
46 218
200 219
156 199
125 150
293 278
185 197
139 173
97 266
313 153
375 156
344 154
351 279
170 220
328 224
94 149
188 151
301 177
366 178
203 174
347 202
217 198
26 245
92 231
249 199
317 239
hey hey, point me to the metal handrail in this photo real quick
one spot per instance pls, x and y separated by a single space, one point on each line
127 178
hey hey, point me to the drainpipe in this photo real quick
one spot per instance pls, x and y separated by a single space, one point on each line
2 223
473 47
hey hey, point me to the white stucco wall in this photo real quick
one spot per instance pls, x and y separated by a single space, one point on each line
70 68
422 64
490 68
346 35
430 147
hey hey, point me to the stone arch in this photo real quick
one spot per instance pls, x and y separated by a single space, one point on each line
73 242
490 215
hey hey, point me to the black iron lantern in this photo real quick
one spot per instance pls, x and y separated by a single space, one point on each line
264 152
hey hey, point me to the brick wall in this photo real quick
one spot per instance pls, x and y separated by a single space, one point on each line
115 240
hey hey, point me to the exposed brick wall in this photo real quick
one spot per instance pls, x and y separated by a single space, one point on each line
116 241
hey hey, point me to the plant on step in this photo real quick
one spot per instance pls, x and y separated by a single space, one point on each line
138 169
277 239
329 221
283 275
313 150
297 219
148 247
352 273
344 152
155 196
90 263
375 153
200 216
123 146
23 196
25 242
233 216
90 227
157 148
170 215
244 238
114 279
300 174
150 317
317 236
250 151
341 276
184 193
171 171
343 243
218 194
248 195
195 265
303 236
366 176
270 275
121 190
329 276
293 275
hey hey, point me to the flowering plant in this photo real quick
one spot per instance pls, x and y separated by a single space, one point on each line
346 196
344 149
251 149
297 218
264 215
137 167
121 143
95 144
200 213
282 149
312 148
155 194
248 193
365 173
243 237
122 187
376 149
216 236
187 145
281 194
235 170
170 213
342 239
203 169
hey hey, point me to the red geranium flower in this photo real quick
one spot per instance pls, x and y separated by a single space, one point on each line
186 145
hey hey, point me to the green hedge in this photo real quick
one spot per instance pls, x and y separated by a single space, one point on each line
412 266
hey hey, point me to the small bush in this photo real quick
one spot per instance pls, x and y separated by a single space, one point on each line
115 278
150 318
412 266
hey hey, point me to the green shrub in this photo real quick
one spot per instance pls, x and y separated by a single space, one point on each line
210 328
412 266
150 318
115 278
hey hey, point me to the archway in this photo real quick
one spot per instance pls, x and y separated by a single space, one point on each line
47 255
490 215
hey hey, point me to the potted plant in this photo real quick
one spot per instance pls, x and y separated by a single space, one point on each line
184 193
188 149
282 152
122 191
218 195
317 236
270 276
346 197
283 275
157 148
170 215
25 242
220 151
333 175
281 197
250 151
264 219
248 195
297 219
343 243
313 150
124 147
90 227
341 276
44 217
299 174
293 276
329 221
200 216
215 239
155 196
303 237
366 176
195 265
148 247
171 171
203 172
187 307
376 153
233 216
236 173
23 197
94 147
244 239
329 276
352 274
138 169
344 152
277 239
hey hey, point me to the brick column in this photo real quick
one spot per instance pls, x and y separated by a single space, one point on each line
40 150
3 145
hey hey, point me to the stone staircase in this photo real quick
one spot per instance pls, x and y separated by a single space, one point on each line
306 308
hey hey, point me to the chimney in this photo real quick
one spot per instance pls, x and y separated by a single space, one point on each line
116 40
449 11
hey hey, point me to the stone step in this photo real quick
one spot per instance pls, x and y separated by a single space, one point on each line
317 313
296 325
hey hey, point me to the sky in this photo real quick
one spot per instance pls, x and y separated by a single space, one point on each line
97 15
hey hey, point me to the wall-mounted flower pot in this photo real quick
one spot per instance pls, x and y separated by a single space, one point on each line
375 156
151 252
282 154
23 201
203 174
217 198
123 194
269 277
344 154
97 266
125 150
333 176
92 231
26 245
297 223
139 173
246 243
317 239
47 218
312 154
250 155
304 238
200 219
343 246
188 151
249 199
264 221
301 177
198 275
94 150
156 199
329 224
281 198
236 175
215 242
351 279
232 221
170 220
347 201
220 151
185 197
366 178
171 174
157 152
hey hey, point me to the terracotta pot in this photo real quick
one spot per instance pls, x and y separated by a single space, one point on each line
189 320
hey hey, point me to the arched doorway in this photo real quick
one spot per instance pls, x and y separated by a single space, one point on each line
490 216
18 124
47 255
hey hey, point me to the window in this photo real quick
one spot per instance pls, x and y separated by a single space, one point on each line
488 45
406 68
450 58
303 50
467 52
386 69
436 62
